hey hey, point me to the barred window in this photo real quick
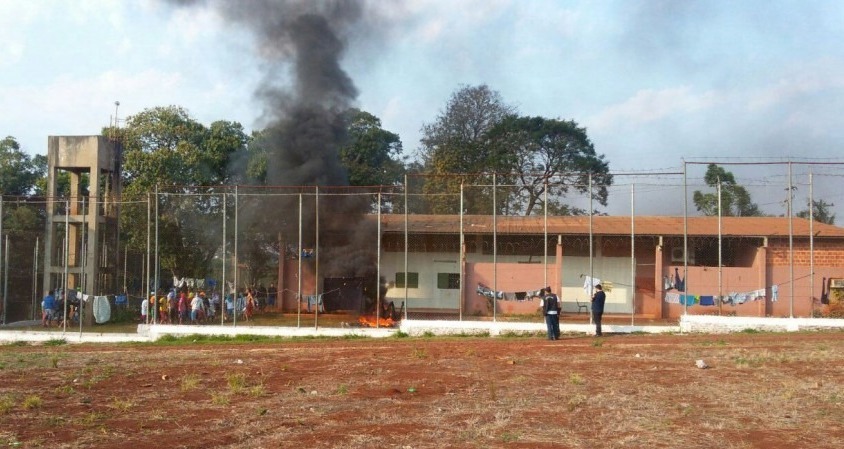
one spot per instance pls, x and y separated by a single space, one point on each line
412 280
448 280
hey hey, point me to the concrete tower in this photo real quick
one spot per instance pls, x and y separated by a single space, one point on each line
92 234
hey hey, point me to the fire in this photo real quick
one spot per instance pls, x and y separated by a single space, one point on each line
371 321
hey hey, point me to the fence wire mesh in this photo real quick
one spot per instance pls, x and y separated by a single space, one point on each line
455 248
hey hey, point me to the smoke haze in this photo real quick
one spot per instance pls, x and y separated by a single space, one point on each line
305 93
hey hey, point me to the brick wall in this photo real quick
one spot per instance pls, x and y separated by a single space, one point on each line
827 253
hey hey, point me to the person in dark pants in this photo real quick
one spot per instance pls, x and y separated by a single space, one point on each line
551 309
598 299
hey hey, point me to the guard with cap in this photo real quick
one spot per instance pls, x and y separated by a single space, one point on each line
550 306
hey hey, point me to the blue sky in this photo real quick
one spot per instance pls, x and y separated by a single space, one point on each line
653 82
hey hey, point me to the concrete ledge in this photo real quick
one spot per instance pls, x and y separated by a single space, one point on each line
8 336
154 332
688 323
495 328
713 324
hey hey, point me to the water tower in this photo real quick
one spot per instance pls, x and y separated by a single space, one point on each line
82 230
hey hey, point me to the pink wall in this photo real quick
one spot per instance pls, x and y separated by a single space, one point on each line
510 277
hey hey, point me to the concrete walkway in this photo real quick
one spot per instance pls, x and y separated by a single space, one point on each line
12 333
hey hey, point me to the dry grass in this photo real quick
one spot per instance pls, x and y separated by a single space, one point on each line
761 390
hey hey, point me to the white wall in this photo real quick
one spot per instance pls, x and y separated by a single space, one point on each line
427 296
614 270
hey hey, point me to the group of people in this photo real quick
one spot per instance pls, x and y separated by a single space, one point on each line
195 307
53 308
551 307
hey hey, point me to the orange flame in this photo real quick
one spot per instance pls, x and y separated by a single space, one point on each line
371 321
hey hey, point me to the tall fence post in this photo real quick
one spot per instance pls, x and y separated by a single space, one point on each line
720 249
5 278
378 268
35 276
591 249
223 285
685 237
632 253
318 299
66 263
494 246
1 252
790 241
811 245
299 258
406 246
145 292
462 259
236 259
154 299
545 240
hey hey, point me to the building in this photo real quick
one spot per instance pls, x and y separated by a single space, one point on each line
641 261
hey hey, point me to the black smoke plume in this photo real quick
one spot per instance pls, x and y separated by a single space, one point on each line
304 42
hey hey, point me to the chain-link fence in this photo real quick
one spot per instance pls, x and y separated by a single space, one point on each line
739 242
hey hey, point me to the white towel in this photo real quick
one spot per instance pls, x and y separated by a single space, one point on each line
672 297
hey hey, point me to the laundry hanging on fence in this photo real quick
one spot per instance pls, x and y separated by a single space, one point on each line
707 300
672 297
316 302
589 284
483 290
534 293
679 283
688 300
102 309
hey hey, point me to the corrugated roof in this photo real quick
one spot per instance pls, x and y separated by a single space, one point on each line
604 225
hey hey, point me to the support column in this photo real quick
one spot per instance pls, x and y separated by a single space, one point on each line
659 285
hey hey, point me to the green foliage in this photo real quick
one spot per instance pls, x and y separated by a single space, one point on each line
735 199
480 140
190 382
32 401
538 154
821 212
236 382
167 148
55 342
7 403
454 143
372 156
18 172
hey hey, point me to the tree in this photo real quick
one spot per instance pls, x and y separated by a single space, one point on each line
536 154
821 212
456 143
166 147
735 199
18 173
372 155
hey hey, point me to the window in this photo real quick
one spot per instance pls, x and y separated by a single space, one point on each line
448 280
412 280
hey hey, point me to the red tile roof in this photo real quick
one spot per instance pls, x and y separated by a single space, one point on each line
604 225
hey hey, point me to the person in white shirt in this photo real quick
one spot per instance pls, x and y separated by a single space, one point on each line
196 309
144 310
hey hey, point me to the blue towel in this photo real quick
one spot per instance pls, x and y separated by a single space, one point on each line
707 300
688 300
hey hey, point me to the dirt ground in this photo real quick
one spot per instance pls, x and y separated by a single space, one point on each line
759 391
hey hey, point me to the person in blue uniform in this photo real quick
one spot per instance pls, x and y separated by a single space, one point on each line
551 309
598 300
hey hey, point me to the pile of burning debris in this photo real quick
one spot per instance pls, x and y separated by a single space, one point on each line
371 321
